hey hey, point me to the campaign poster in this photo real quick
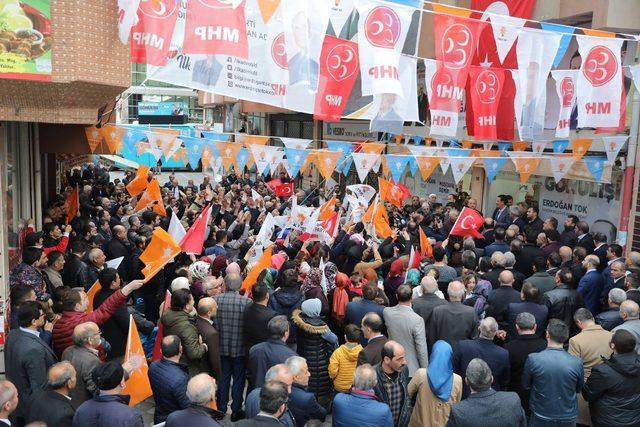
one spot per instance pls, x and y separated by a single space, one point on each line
25 40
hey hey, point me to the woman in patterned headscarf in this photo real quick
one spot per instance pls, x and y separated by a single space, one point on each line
312 288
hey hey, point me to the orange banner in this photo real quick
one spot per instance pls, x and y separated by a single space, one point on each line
580 146
140 182
113 137
94 137
526 166
137 385
326 162
158 253
263 262
519 145
427 165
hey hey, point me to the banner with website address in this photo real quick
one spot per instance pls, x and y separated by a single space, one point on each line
25 39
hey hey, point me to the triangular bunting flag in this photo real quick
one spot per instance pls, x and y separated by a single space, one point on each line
427 165
215 136
242 159
519 145
560 166
538 146
326 162
444 164
296 143
560 145
243 138
595 166
526 166
505 32
372 147
94 137
396 164
612 146
228 153
262 156
364 162
504 146
113 137
493 166
580 146
460 166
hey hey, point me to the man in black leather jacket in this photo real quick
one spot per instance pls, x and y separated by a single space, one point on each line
563 300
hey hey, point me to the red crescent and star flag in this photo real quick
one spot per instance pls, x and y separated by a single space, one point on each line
468 223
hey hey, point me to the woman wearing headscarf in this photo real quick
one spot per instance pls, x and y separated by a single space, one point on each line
218 265
394 280
435 388
311 288
316 343
199 270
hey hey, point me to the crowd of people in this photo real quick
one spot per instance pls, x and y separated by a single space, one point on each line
535 324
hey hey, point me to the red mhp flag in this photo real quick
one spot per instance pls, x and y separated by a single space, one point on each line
468 223
137 385
193 241
284 190
158 253
486 87
339 69
151 36
426 250
140 182
157 345
73 204
216 27
390 192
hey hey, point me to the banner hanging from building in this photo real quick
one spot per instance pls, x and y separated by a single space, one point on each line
26 39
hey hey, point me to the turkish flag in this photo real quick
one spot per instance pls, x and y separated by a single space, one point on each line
468 223
486 87
339 69
151 36
284 190
216 27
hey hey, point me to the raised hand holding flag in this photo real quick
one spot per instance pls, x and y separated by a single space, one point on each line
468 223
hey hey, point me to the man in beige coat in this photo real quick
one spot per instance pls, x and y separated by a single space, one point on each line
589 345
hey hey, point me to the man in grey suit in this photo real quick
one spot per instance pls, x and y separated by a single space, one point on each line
454 321
27 357
486 407
407 328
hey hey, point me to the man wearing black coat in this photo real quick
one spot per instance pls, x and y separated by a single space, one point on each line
497 266
600 249
53 406
499 300
568 237
372 325
613 388
116 329
201 391
564 300
264 355
454 321
207 309
76 273
118 247
520 347
27 357
585 240
169 378
423 305
256 317
530 297
529 252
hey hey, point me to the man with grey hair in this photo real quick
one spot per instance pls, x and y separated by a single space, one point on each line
303 404
279 372
500 298
526 342
591 284
509 263
485 406
484 348
229 320
207 309
8 401
359 407
497 267
609 318
629 313
454 321
423 305
201 391
83 355
95 265
273 351
53 405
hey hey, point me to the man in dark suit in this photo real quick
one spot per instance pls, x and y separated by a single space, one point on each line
614 253
497 263
530 251
483 347
585 240
568 237
8 402
533 220
497 408
207 308
53 406
500 298
600 249
273 351
501 212
591 284
526 342
27 357
256 317
454 321
423 305
201 391
117 247
498 245
356 310
273 403
530 296
372 324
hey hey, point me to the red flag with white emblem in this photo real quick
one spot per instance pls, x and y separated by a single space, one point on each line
486 86
339 68
284 190
468 223
151 36
216 27
566 91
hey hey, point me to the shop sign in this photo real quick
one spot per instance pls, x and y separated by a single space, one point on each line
348 131
163 108
25 39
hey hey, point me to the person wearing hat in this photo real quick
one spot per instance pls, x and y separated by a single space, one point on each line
110 407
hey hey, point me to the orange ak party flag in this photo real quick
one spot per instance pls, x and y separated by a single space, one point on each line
73 204
327 209
91 294
160 251
150 196
389 192
263 262
140 182
426 250
137 386
377 214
